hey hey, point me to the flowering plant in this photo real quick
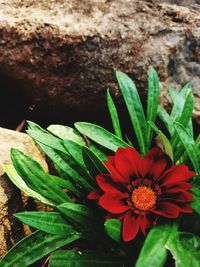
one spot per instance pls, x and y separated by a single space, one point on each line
112 205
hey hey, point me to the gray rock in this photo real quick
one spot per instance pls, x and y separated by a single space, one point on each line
58 57
11 200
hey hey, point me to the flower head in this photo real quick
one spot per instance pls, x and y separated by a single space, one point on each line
138 191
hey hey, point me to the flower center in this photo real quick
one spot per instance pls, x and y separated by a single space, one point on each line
143 198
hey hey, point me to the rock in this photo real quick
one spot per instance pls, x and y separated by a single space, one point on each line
58 57
10 197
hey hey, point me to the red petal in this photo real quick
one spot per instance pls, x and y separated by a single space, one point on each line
145 223
95 195
182 186
116 176
167 209
114 202
131 226
177 195
105 182
186 209
154 163
126 160
178 173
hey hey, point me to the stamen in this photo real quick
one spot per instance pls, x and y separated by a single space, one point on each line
143 198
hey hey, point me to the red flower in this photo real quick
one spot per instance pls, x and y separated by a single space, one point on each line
138 191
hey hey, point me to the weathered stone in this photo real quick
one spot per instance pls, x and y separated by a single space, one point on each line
58 57
10 197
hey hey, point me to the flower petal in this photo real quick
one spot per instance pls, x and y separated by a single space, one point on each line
95 195
145 223
167 209
114 202
131 226
178 173
177 195
127 161
105 182
182 186
154 163
116 176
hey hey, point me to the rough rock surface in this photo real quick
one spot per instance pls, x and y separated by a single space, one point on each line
10 198
58 57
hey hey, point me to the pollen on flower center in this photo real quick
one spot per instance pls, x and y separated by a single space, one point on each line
143 198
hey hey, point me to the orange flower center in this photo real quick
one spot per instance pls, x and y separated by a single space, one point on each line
143 198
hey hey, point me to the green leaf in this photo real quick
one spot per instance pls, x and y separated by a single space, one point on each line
100 135
195 204
114 115
94 165
34 126
35 178
68 133
49 222
35 247
164 116
185 117
75 258
19 182
152 101
178 98
189 145
163 140
47 139
113 228
84 220
185 249
75 150
154 252
77 175
135 109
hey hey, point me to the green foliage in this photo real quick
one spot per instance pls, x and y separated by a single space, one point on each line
74 258
162 140
135 109
36 179
154 251
35 247
100 135
114 115
152 103
185 249
113 228
78 156
49 222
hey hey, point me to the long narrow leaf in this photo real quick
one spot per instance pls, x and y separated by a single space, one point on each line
100 135
19 182
68 133
94 165
185 117
135 109
73 258
49 222
34 176
163 140
84 220
189 145
152 101
114 115
77 175
164 116
47 139
35 247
